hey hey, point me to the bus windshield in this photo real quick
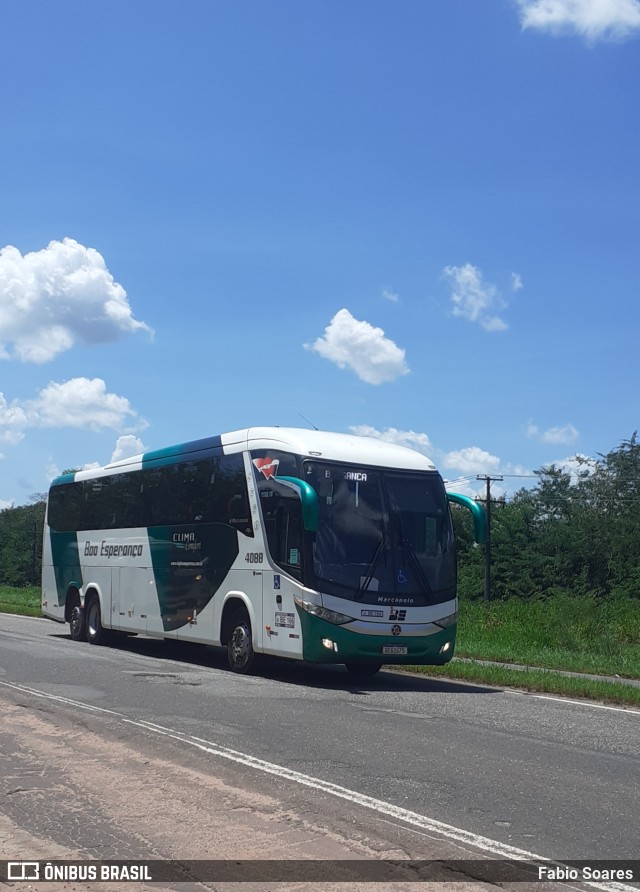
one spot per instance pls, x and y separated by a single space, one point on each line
384 537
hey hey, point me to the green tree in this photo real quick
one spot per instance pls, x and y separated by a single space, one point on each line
21 543
575 534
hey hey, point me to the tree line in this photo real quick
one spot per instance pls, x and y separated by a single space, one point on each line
21 543
574 534
570 534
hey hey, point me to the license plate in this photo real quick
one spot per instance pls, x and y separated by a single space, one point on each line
389 649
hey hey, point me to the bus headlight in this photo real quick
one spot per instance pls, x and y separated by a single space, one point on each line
446 621
331 616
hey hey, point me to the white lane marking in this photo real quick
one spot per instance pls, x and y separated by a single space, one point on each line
628 711
60 699
415 819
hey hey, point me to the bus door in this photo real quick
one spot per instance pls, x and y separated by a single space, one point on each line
284 533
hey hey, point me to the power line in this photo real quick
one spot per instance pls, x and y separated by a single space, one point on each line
528 476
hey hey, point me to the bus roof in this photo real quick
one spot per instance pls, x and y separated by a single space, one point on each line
348 448
338 447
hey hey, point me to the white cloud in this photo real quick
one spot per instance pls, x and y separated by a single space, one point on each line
411 439
351 343
566 434
591 19
471 460
52 470
13 420
51 298
516 282
576 465
474 299
390 295
81 402
126 447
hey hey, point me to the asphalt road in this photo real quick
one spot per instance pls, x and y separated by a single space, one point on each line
499 769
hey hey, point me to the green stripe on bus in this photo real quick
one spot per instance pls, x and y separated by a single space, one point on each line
190 563
66 563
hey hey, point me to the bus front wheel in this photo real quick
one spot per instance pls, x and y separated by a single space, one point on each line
95 630
363 670
240 653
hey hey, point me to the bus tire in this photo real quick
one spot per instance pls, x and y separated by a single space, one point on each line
95 630
77 625
363 670
240 653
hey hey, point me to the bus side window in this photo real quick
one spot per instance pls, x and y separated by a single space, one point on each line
229 499
189 492
111 503
64 506
156 495
289 536
283 528
131 506
238 513
89 505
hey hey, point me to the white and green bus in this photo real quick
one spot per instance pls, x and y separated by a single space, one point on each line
314 546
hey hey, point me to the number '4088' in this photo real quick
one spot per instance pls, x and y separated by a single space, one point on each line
254 557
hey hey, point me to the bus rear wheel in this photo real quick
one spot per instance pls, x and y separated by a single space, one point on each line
363 670
77 625
240 653
95 630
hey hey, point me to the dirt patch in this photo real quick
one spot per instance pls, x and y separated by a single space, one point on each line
84 787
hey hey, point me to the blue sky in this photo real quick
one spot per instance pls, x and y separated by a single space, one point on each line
415 219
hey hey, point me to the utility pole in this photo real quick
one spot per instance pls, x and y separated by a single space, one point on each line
33 535
487 548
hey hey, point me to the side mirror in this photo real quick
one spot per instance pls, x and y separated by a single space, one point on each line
477 512
308 499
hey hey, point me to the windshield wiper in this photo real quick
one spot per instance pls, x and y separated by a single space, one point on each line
373 563
408 548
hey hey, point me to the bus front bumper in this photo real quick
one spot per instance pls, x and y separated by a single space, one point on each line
325 642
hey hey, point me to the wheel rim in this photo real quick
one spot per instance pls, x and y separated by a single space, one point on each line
92 620
240 645
76 620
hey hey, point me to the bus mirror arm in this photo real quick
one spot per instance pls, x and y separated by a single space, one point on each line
477 512
308 499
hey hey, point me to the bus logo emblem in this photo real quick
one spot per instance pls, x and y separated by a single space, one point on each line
267 466
396 630
396 615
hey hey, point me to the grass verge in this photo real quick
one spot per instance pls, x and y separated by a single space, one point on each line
559 632
536 680
25 601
